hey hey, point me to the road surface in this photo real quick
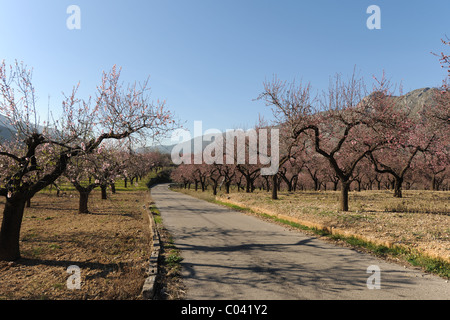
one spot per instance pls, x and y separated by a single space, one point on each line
231 255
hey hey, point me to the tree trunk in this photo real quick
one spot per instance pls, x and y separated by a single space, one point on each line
316 184
335 185
359 185
83 204
398 187
274 187
266 178
103 188
227 187
113 188
125 181
289 186
345 187
248 184
10 230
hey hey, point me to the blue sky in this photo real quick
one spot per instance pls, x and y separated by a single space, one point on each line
209 59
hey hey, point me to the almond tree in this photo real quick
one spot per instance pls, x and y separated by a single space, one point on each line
182 175
444 59
201 172
418 133
441 110
214 175
228 172
289 173
435 165
343 126
108 169
79 172
43 150
315 166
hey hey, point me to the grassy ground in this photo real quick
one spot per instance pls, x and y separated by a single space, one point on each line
417 227
111 247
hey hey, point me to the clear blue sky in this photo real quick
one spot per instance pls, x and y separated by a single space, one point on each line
208 59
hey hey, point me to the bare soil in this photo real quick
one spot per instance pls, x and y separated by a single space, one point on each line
111 246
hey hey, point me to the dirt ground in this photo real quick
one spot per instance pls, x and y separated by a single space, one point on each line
111 246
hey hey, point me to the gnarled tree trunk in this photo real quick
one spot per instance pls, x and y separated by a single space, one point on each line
274 187
10 230
83 204
103 188
345 187
398 182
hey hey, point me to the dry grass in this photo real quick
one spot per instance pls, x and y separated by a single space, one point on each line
111 246
420 220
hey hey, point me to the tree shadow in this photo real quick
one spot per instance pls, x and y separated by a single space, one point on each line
103 269
279 269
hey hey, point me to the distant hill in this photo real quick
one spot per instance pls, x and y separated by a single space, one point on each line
6 130
414 100
185 145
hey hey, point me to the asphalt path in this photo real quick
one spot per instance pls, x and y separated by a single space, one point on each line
230 255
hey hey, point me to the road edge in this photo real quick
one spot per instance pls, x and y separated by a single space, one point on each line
149 287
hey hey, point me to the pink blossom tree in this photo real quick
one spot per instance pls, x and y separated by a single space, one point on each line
228 172
182 175
418 132
289 172
88 171
436 165
343 125
44 150
441 110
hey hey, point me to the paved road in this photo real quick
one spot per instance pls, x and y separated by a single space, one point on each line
231 255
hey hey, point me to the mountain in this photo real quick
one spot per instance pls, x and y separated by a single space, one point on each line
414 100
186 145
6 130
